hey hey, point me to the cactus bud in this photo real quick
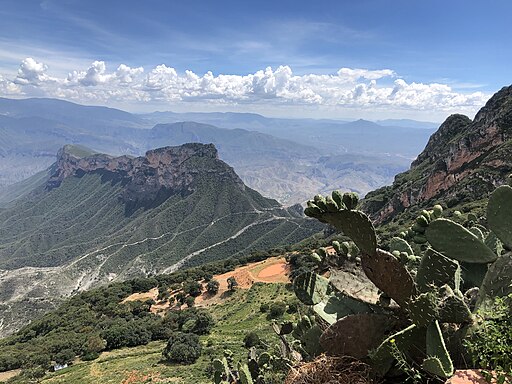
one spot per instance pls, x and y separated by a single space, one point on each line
337 246
350 199
426 215
337 196
331 204
422 221
438 211
315 257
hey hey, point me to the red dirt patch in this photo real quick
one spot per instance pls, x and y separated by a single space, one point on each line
271 270
469 376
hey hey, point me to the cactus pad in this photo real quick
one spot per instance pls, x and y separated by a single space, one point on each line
355 335
457 242
400 245
389 275
438 360
437 269
452 308
497 280
245 374
423 309
356 225
311 288
494 243
499 214
339 306
383 357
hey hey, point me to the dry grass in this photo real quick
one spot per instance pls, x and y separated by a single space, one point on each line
331 370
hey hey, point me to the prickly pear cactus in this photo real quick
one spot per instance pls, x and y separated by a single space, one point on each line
435 269
355 335
456 242
389 275
438 361
400 245
311 288
499 214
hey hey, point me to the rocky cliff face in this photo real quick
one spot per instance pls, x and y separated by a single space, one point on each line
161 172
464 159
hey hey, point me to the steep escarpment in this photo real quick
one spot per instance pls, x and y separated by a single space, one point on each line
162 171
463 161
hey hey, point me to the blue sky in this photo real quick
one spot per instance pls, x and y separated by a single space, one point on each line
415 59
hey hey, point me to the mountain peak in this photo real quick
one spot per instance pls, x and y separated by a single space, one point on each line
462 162
77 151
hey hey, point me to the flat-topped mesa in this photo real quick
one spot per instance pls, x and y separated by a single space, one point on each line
161 172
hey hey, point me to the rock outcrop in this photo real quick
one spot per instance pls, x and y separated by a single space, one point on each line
161 172
464 159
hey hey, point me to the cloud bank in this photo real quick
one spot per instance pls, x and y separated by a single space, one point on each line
347 88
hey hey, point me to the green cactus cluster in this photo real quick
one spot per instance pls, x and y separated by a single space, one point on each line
453 257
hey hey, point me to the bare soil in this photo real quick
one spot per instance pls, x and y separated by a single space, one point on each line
4 376
271 270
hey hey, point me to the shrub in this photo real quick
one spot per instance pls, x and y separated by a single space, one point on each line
65 356
182 348
251 340
192 288
277 309
190 301
232 283
212 287
490 344
264 308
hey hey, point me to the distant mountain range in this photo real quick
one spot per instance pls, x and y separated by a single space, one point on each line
282 158
93 218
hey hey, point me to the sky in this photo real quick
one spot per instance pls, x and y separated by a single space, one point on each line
373 59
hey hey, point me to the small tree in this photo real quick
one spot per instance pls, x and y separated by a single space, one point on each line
163 294
190 300
232 283
180 298
192 288
277 309
182 348
65 356
212 287
251 340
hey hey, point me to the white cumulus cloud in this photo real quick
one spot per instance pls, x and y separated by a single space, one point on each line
347 88
31 72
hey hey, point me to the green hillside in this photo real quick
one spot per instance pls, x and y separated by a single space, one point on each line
101 225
